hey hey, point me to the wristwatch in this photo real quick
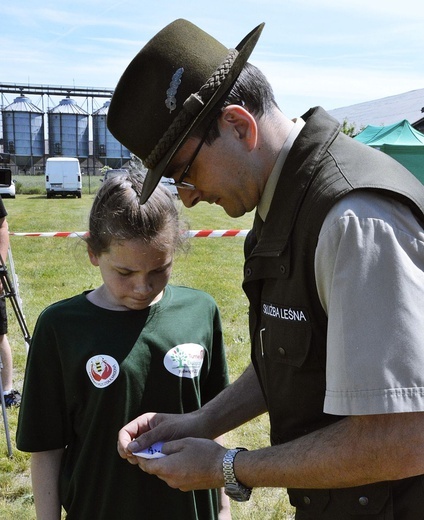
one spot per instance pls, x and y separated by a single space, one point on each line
233 488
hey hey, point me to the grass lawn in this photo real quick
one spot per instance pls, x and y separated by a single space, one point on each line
50 269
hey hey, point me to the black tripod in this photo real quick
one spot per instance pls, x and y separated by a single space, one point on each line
9 292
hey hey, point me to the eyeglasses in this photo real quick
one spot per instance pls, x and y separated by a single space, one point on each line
180 183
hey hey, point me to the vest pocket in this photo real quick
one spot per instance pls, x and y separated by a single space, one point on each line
313 501
287 343
373 501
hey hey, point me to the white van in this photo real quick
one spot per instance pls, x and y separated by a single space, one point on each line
63 177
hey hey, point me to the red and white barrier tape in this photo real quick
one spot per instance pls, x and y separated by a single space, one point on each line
62 234
202 233
212 233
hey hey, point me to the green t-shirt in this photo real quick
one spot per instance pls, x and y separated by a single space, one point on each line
91 370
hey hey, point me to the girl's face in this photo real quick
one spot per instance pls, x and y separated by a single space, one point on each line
134 273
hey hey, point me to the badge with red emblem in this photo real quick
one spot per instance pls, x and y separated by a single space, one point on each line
102 370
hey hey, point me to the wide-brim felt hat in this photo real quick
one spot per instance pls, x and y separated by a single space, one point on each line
177 81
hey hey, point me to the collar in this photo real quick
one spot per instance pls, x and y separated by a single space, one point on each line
267 195
300 169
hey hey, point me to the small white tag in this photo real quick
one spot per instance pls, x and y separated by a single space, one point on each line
152 452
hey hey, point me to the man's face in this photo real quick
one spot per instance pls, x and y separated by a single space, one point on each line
220 173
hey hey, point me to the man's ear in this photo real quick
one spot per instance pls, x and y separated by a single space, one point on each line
241 123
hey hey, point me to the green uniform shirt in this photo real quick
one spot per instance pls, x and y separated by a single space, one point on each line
92 370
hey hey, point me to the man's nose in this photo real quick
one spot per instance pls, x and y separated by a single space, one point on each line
189 197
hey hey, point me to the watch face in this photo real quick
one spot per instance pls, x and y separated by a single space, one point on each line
237 493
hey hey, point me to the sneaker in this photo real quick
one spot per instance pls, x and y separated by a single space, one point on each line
13 398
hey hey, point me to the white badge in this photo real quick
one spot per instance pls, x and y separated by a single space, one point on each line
185 360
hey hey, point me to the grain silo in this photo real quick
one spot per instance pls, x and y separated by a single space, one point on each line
23 132
68 130
108 150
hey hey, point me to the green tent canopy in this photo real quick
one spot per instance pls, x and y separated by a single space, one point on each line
401 141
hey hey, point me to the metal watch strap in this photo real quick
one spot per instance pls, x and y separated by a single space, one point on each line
233 488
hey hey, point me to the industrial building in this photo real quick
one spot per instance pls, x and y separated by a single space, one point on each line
39 121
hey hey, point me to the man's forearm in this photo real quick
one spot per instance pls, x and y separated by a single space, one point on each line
238 403
352 452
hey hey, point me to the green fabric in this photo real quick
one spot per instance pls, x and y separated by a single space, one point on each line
62 406
401 141
412 157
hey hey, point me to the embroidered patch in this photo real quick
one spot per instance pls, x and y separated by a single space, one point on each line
185 360
102 370
171 100
284 313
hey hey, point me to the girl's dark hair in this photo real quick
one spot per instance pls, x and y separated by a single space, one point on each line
117 214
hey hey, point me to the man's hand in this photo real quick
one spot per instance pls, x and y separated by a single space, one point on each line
190 464
149 428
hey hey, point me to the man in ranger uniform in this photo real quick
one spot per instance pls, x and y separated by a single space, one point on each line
333 273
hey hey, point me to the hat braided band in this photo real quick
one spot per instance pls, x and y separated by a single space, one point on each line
191 108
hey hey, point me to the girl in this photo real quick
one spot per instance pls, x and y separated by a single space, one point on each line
103 357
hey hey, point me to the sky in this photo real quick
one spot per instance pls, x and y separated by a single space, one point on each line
332 53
